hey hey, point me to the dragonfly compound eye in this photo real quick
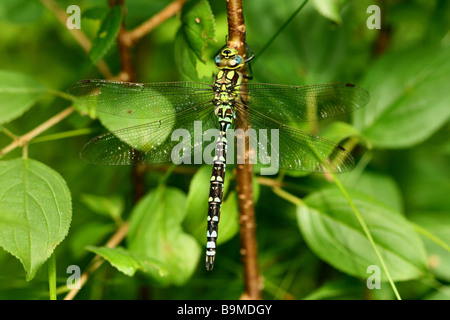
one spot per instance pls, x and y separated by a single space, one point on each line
217 60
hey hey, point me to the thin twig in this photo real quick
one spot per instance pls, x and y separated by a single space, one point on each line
287 196
137 33
269 182
281 29
23 140
97 261
244 175
9 133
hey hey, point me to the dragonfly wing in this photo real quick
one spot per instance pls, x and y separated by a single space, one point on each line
170 139
139 100
282 147
304 103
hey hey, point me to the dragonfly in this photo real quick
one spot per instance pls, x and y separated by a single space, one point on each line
225 105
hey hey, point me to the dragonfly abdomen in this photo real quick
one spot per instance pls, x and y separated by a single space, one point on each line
216 185
226 81
215 201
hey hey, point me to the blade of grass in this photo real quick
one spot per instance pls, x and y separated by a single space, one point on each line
63 135
52 277
361 222
287 196
280 30
367 233
430 236
360 167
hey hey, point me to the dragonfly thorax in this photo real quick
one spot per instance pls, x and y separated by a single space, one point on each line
226 86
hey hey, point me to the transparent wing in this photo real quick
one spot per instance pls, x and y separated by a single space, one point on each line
187 106
304 103
288 148
169 140
139 100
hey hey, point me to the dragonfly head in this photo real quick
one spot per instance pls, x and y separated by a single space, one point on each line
229 58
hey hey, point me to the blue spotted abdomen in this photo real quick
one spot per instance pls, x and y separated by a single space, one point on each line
226 117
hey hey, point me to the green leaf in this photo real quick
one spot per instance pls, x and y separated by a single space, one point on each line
332 231
329 9
380 186
229 218
198 26
18 93
95 13
438 225
409 97
443 293
339 131
185 59
111 206
156 233
90 233
129 262
106 35
197 203
334 290
38 200
424 174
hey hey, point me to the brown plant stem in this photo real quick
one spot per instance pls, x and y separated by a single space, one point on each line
384 38
127 74
244 174
124 45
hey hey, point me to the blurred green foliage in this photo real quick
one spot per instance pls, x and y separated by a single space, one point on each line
311 251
